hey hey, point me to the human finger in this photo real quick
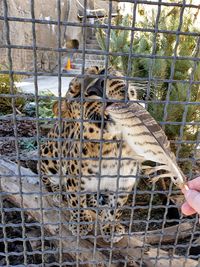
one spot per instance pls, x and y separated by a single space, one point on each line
194 184
193 199
187 209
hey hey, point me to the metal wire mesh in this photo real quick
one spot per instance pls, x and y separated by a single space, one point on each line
26 241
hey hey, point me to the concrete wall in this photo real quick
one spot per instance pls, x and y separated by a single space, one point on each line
21 33
46 34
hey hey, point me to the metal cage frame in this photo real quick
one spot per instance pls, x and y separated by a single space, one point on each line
25 253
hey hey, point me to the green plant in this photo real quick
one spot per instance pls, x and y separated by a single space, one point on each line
45 105
28 145
6 100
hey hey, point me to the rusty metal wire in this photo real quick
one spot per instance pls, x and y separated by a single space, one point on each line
149 220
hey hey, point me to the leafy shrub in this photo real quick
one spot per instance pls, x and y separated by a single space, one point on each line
45 105
6 101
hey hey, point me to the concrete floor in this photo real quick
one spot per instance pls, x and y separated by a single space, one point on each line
45 84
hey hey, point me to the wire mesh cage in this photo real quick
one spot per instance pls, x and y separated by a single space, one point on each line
81 83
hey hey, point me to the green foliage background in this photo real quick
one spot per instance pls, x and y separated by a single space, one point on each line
161 69
6 102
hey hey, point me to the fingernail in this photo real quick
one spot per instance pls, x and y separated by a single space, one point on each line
186 187
188 193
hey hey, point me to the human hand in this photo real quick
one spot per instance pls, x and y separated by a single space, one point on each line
192 196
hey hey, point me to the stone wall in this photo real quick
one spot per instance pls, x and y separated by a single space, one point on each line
46 34
21 34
